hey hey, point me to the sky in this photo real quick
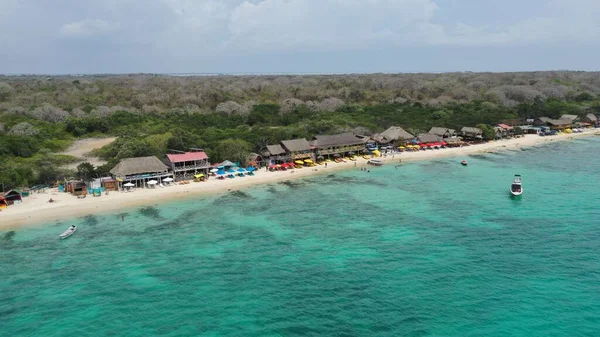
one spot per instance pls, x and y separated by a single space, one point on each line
297 36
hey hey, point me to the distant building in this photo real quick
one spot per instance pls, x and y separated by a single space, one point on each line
572 118
471 132
393 135
188 164
298 149
337 145
274 154
443 132
140 170
591 118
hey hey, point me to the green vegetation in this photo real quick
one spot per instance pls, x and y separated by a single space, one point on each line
152 114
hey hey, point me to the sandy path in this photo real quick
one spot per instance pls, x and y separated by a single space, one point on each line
82 147
36 209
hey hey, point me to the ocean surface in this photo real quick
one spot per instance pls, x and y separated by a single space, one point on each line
424 249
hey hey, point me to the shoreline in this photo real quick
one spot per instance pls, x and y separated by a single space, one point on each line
35 210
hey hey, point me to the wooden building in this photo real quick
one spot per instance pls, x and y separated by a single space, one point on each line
109 184
591 118
76 187
298 149
471 132
140 170
555 124
188 164
428 138
337 145
13 197
394 135
275 154
442 132
572 118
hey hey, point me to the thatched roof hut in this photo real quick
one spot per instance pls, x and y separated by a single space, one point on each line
395 133
453 141
342 139
469 131
296 145
442 132
140 165
572 118
591 118
428 138
273 150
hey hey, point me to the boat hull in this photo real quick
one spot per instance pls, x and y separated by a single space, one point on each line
67 233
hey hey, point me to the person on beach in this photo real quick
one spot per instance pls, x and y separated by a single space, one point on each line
355 164
325 165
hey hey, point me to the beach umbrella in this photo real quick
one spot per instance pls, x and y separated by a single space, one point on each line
199 175
231 171
215 170
250 169
129 185
168 180
299 162
308 161
152 182
241 170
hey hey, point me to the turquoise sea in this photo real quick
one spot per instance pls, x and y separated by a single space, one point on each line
426 249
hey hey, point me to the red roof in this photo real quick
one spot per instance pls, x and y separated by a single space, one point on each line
188 156
505 127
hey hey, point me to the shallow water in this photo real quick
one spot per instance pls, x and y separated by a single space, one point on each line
427 249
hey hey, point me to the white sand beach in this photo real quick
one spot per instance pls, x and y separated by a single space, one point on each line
35 209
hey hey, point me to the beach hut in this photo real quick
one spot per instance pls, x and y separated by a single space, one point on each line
13 197
140 170
188 164
76 187
275 154
591 118
394 135
427 138
109 184
472 133
442 132
453 142
340 144
572 118
298 149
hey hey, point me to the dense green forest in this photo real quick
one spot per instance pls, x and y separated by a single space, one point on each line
232 116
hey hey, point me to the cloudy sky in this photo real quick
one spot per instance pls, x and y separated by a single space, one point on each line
297 36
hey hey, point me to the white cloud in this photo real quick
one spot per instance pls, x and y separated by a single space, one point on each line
332 24
88 28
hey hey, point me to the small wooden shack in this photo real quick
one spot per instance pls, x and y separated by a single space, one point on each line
76 187
13 197
110 184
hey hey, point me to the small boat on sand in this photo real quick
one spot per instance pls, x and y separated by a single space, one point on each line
375 162
463 163
68 232
516 188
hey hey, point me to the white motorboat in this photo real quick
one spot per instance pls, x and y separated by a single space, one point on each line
375 162
516 188
68 232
